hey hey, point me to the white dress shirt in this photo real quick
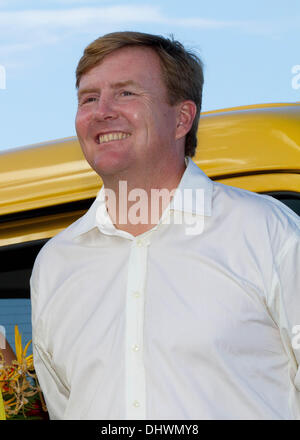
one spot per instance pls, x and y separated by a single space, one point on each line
170 324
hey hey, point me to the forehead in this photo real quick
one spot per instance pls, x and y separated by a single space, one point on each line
140 64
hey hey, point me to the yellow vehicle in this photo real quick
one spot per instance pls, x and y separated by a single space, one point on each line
45 187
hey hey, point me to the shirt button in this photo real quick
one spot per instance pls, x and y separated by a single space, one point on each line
135 347
142 241
136 294
136 403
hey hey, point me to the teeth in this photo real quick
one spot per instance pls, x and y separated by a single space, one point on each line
112 137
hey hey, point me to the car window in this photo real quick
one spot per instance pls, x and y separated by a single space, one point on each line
16 311
15 271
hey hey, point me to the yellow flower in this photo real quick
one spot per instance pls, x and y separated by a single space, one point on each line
22 360
18 381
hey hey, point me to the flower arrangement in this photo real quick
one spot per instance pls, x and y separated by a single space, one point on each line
21 393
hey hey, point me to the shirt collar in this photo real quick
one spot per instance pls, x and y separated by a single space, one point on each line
185 199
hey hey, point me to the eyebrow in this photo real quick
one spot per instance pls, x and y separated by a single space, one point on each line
120 84
116 85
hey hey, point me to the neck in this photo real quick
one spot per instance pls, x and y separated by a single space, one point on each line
136 204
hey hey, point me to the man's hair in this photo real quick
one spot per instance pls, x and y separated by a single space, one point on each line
182 70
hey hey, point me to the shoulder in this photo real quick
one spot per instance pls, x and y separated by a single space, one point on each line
58 248
259 214
248 202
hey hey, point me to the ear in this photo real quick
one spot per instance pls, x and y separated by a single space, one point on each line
186 112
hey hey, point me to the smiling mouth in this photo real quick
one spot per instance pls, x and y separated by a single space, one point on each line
115 136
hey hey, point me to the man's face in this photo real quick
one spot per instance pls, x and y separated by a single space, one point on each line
124 122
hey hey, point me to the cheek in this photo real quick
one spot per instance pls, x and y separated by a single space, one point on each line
81 123
140 114
135 119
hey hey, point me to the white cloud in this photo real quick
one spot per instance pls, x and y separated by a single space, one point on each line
90 16
72 18
73 2
25 3
40 27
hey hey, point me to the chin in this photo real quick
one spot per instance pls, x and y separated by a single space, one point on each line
108 166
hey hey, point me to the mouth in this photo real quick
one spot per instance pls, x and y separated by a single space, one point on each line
113 136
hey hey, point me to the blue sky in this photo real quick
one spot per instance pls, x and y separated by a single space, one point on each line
248 48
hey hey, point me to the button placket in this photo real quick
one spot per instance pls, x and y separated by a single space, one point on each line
135 372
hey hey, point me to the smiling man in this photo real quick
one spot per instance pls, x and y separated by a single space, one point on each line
124 118
138 317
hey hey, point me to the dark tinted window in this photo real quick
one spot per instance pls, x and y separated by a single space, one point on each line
15 271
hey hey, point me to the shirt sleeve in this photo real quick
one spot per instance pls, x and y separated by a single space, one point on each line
284 304
54 391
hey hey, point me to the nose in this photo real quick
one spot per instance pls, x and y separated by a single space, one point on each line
104 109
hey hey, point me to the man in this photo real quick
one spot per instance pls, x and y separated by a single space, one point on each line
182 309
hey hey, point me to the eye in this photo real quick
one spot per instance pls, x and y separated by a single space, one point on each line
90 99
87 99
126 93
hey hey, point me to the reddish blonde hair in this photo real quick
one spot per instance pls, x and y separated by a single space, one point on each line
182 70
